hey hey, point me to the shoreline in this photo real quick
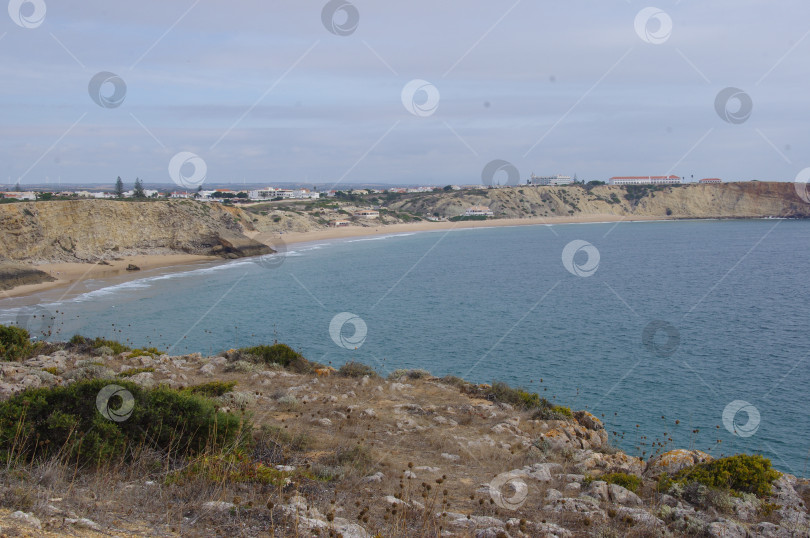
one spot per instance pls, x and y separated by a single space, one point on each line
69 275
291 238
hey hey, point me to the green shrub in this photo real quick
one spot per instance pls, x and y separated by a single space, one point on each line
40 423
212 389
356 369
628 481
454 381
146 352
280 354
553 412
742 473
15 343
410 374
88 345
501 392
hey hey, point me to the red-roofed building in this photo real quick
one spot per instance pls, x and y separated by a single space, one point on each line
645 180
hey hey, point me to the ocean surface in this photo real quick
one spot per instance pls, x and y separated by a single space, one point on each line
689 334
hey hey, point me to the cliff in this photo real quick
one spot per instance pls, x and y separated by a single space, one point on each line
727 200
95 230
347 452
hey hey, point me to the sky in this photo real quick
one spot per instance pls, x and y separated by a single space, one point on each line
402 93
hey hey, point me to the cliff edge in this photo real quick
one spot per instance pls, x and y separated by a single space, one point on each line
95 230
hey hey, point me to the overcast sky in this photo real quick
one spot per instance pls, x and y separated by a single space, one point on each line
266 91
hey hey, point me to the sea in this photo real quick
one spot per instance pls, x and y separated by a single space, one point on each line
676 334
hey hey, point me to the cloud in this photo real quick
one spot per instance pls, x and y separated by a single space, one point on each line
290 100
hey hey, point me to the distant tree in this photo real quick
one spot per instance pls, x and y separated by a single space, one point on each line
448 188
45 196
17 187
242 195
119 187
199 188
594 183
137 191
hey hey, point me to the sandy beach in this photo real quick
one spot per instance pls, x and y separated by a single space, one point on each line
67 275
290 238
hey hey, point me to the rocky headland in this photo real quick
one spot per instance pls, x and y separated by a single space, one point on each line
350 453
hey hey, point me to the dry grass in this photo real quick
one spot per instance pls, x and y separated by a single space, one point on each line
317 427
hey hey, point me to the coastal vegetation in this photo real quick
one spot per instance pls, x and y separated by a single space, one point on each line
260 438
46 422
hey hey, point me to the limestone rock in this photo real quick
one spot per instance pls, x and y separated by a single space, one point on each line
673 461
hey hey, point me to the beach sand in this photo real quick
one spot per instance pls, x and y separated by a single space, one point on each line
68 275
290 238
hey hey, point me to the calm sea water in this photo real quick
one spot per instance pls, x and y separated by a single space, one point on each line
729 300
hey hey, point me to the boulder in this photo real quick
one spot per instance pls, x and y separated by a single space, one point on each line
673 461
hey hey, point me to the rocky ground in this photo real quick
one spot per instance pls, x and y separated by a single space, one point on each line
411 455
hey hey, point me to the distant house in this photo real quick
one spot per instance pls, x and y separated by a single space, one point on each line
645 180
479 211
711 180
551 180
339 223
367 214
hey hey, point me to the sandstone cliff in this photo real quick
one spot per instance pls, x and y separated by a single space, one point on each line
728 200
94 230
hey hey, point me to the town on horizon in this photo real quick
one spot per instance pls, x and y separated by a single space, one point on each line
294 191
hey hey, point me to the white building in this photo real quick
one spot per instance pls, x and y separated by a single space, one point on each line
645 180
479 211
21 195
305 194
551 180
271 193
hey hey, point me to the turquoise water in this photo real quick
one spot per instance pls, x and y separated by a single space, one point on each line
730 298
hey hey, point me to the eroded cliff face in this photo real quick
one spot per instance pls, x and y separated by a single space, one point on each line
93 230
728 200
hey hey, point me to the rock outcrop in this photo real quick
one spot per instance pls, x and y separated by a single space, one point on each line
94 230
752 199
13 275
